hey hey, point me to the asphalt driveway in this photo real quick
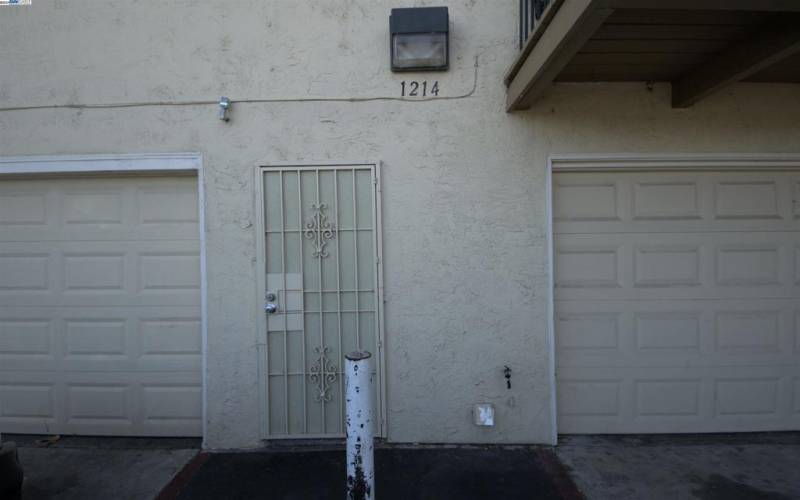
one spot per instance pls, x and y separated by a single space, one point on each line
706 467
402 473
759 466
83 468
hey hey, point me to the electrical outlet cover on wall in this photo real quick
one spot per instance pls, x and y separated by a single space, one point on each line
483 414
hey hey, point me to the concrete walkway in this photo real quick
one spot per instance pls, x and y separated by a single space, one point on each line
708 467
100 468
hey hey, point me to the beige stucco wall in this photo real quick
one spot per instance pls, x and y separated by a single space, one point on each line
463 182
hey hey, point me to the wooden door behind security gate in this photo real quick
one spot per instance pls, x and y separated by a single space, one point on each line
321 255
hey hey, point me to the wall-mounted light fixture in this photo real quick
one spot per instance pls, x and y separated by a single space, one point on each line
419 39
224 108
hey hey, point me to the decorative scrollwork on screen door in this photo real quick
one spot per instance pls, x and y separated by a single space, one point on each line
323 373
319 230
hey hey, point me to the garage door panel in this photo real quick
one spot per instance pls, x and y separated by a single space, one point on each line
677 307
166 205
676 201
145 364
714 331
26 338
100 328
669 399
586 198
170 336
118 403
23 204
653 265
584 329
677 226
672 424
589 266
101 339
665 199
590 397
644 360
103 273
795 335
122 208
660 332
667 264
172 409
24 272
179 296
753 197
171 271
28 400
103 232
795 395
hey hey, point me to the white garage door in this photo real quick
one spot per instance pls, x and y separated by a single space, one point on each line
99 306
677 301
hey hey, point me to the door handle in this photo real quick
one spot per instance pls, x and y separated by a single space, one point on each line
270 305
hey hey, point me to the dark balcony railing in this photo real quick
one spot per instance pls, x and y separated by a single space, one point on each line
531 14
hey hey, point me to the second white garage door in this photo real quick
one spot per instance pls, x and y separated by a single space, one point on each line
100 306
677 301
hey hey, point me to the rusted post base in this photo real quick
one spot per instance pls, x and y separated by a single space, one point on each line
358 425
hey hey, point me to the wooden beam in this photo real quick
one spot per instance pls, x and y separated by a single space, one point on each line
572 25
752 5
742 60
533 39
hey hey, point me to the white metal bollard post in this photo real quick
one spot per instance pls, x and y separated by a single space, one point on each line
358 425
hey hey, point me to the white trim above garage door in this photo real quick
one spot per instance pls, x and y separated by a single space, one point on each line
732 374
88 185
630 163
76 164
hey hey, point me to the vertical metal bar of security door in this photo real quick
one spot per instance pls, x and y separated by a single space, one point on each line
267 408
285 314
321 314
375 296
302 297
339 300
355 256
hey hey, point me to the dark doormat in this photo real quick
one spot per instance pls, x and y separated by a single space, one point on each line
402 473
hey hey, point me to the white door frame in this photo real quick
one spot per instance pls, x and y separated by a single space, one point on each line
261 283
634 163
169 163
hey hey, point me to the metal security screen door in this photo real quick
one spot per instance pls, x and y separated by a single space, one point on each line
321 284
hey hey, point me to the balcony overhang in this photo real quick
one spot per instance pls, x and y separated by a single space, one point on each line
700 46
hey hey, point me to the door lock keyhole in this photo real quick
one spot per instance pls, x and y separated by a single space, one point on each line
507 375
271 307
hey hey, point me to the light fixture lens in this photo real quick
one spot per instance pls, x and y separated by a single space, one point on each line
419 51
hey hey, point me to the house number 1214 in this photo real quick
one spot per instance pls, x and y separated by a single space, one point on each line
418 89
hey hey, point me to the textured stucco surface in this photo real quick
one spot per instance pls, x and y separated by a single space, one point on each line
465 258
